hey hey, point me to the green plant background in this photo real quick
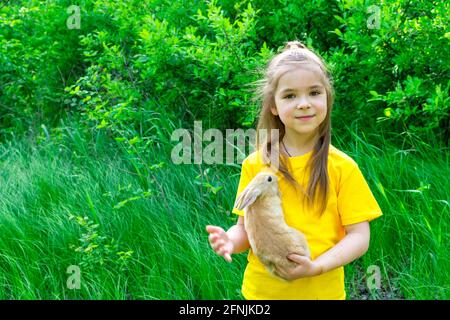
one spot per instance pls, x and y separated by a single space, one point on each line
86 117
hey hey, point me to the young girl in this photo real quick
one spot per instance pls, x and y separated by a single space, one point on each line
297 98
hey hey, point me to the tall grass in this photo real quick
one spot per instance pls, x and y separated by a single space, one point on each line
78 201
410 242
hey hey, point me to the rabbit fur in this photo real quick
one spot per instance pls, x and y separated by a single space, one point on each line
270 238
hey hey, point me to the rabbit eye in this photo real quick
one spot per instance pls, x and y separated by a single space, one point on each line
269 179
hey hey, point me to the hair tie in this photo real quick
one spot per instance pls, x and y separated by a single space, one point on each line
295 45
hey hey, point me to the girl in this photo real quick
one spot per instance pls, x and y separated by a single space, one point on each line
297 99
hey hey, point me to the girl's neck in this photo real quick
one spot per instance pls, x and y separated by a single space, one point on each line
299 144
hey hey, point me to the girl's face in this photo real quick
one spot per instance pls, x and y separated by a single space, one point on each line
300 93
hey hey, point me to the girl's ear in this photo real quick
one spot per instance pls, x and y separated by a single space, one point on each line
274 111
246 198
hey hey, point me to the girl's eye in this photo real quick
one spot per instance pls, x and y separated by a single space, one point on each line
314 93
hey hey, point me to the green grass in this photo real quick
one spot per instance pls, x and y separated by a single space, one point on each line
138 245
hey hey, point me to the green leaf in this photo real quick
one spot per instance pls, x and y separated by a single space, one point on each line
134 140
338 32
102 124
388 112
144 34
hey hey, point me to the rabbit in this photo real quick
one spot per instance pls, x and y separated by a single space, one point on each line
270 238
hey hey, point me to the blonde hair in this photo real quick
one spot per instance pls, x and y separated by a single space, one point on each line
295 55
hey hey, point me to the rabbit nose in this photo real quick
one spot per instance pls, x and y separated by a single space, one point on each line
269 179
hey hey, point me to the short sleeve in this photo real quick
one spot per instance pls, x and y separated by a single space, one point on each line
246 177
355 200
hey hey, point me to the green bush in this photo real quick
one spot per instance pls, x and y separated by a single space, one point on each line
141 68
397 71
39 57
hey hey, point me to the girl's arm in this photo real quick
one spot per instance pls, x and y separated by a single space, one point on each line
235 240
238 236
351 247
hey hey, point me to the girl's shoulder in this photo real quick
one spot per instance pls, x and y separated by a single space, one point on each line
254 160
340 164
339 158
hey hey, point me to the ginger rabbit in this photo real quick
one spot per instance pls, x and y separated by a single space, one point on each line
270 238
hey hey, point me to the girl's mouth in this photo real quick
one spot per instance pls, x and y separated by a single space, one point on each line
304 118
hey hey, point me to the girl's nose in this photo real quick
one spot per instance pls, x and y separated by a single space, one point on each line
303 103
303 106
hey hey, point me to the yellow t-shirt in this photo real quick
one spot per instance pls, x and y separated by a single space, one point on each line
350 201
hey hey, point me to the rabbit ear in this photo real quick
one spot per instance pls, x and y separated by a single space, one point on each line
246 198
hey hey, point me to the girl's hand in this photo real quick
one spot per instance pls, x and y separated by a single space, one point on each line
220 242
305 268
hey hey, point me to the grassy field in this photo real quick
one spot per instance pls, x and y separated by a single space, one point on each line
77 201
